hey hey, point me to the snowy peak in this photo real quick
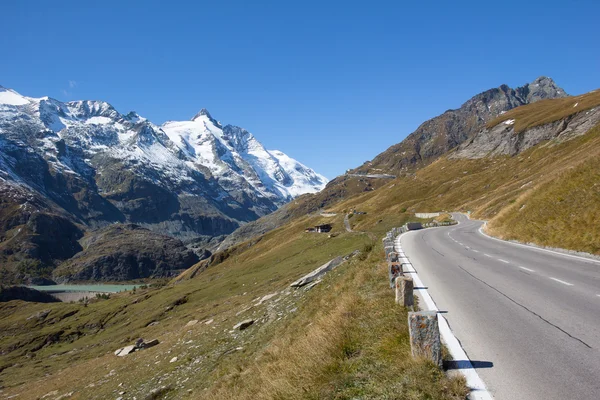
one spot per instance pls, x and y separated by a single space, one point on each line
11 98
205 115
176 151
89 109
203 112
302 179
236 158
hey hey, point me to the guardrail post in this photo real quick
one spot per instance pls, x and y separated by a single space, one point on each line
395 270
425 336
404 291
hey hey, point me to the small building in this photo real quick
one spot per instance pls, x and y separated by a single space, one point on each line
323 228
319 228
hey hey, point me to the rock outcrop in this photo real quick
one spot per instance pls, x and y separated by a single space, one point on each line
447 131
26 294
317 273
140 344
503 140
126 252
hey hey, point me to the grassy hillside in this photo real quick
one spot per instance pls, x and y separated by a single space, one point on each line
556 181
547 111
561 212
341 339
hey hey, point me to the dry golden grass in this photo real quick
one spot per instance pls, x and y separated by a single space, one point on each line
490 187
547 111
444 217
94 332
347 338
350 341
562 212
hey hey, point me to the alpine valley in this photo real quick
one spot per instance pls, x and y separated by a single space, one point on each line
88 193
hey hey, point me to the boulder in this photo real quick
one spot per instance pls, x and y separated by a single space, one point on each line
317 273
150 343
244 324
126 350
192 322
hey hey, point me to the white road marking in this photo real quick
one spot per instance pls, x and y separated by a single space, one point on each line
563 282
474 381
487 255
527 269
476 251
480 230
504 261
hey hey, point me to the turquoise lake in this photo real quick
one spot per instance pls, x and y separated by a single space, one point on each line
84 288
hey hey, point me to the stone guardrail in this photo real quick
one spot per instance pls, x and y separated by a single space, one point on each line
425 341
427 215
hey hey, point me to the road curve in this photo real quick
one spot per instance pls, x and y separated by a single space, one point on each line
347 223
528 319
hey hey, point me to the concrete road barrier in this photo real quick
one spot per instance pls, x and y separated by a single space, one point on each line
425 336
395 270
404 291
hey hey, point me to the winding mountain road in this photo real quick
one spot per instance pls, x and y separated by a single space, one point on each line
347 223
529 319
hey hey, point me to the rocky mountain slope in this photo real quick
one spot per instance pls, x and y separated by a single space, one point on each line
510 134
531 171
430 141
445 132
124 252
82 165
546 193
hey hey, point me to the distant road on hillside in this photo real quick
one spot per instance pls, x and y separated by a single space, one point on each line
347 223
375 176
528 318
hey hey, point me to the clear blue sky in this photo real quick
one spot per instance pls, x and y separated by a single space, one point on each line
330 83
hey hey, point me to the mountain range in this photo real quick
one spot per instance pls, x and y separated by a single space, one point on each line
440 134
531 171
431 140
68 169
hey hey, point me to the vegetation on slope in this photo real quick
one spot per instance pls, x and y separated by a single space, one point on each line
354 345
342 339
561 212
496 188
547 111
352 337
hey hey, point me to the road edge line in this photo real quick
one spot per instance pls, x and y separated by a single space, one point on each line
536 248
478 388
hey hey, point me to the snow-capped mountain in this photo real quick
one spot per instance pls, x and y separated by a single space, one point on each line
235 156
89 163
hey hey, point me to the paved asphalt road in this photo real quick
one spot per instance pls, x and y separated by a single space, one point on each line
529 319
